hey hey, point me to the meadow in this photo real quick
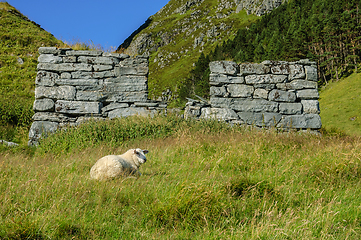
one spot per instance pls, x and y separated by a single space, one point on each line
202 180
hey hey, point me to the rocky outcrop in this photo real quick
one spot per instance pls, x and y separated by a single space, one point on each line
258 7
270 94
75 86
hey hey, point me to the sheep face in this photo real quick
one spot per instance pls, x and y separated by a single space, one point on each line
140 155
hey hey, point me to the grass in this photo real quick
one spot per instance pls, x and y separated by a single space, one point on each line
202 180
340 104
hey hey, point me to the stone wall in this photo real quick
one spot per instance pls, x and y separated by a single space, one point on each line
73 86
269 94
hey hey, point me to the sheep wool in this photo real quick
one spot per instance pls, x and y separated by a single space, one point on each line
115 166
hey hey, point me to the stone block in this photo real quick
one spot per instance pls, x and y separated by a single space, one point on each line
255 105
261 93
92 96
290 108
40 129
125 87
65 67
260 119
265 79
84 53
224 67
61 92
137 70
219 102
218 91
46 78
48 50
280 68
224 114
126 112
101 68
127 97
98 60
308 94
53 117
219 79
311 106
113 106
69 59
77 82
296 72
265 86
311 73
65 75
127 79
49 58
43 105
304 121
281 96
240 90
116 55
77 107
253 68
301 84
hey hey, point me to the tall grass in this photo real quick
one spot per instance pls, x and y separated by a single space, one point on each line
201 181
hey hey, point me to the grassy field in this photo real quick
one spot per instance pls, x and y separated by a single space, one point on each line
202 180
340 104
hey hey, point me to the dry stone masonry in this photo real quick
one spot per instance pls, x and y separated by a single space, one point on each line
270 94
73 86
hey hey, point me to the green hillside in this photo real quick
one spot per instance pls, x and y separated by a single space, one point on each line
20 39
340 104
323 31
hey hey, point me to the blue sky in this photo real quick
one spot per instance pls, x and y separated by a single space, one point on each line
104 22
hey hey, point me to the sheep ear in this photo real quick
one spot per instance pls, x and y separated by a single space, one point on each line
145 151
135 151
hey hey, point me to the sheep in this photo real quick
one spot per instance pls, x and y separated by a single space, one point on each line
114 166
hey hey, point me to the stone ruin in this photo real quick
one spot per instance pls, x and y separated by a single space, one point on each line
74 86
270 94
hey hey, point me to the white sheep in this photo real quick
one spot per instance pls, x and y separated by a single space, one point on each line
114 166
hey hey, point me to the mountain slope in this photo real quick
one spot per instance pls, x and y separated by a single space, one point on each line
176 36
20 39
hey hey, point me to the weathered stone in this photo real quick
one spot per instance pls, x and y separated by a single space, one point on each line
66 67
224 114
240 90
128 97
100 68
53 117
296 72
61 92
146 104
126 112
117 55
135 62
120 71
65 75
308 94
69 59
265 86
125 87
255 105
281 69
82 120
219 102
98 60
253 68
311 73
260 119
46 78
127 80
306 62
40 129
261 93
218 91
77 82
281 96
84 53
77 107
48 50
218 79
113 106
224 67
300 84
269 78
290 108
43 105
92 96
305 121
49 58
311 106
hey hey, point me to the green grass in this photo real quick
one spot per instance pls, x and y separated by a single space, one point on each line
340 104
202 180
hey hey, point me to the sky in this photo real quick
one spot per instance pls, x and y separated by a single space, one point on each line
104 22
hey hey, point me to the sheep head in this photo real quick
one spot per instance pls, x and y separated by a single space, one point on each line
140 155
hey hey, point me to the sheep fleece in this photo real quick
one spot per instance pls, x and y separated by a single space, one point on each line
114 166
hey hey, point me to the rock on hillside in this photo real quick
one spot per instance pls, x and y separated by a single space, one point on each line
177 34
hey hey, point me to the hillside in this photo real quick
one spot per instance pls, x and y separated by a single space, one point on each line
176 36
340 104
20 39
